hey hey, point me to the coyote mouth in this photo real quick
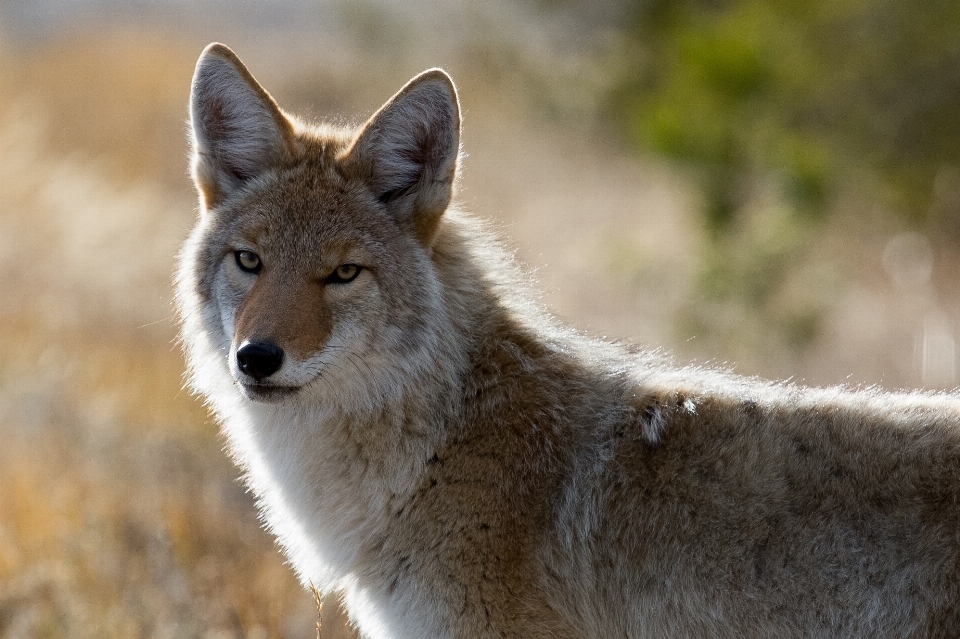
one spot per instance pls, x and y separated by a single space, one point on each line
267 394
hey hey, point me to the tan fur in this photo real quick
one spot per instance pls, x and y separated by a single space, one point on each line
455 463
303 327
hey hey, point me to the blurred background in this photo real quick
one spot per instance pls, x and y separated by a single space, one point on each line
768 185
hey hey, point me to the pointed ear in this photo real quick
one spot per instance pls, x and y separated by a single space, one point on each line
408 152
238 131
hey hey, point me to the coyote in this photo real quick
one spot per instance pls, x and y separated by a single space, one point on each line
428 443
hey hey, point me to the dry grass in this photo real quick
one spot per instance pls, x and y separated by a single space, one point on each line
119 514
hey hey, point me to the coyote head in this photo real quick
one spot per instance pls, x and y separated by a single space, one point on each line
312 266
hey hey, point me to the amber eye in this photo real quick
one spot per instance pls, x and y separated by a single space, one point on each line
344 273
248 261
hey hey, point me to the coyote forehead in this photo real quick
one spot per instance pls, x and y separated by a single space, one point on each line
425 441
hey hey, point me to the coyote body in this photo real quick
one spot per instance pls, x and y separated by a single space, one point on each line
426 441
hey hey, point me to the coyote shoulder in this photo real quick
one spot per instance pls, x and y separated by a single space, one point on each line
426 441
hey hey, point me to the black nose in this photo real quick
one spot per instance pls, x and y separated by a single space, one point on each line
259 359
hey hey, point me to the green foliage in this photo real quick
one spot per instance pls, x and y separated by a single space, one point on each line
812 98
798 90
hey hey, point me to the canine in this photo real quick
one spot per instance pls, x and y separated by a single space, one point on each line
430 444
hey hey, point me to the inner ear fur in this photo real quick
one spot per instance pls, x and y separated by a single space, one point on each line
238 131
408 152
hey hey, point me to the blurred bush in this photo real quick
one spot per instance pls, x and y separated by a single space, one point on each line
833 106
807 92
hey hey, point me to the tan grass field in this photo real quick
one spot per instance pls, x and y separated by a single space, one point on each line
120 516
